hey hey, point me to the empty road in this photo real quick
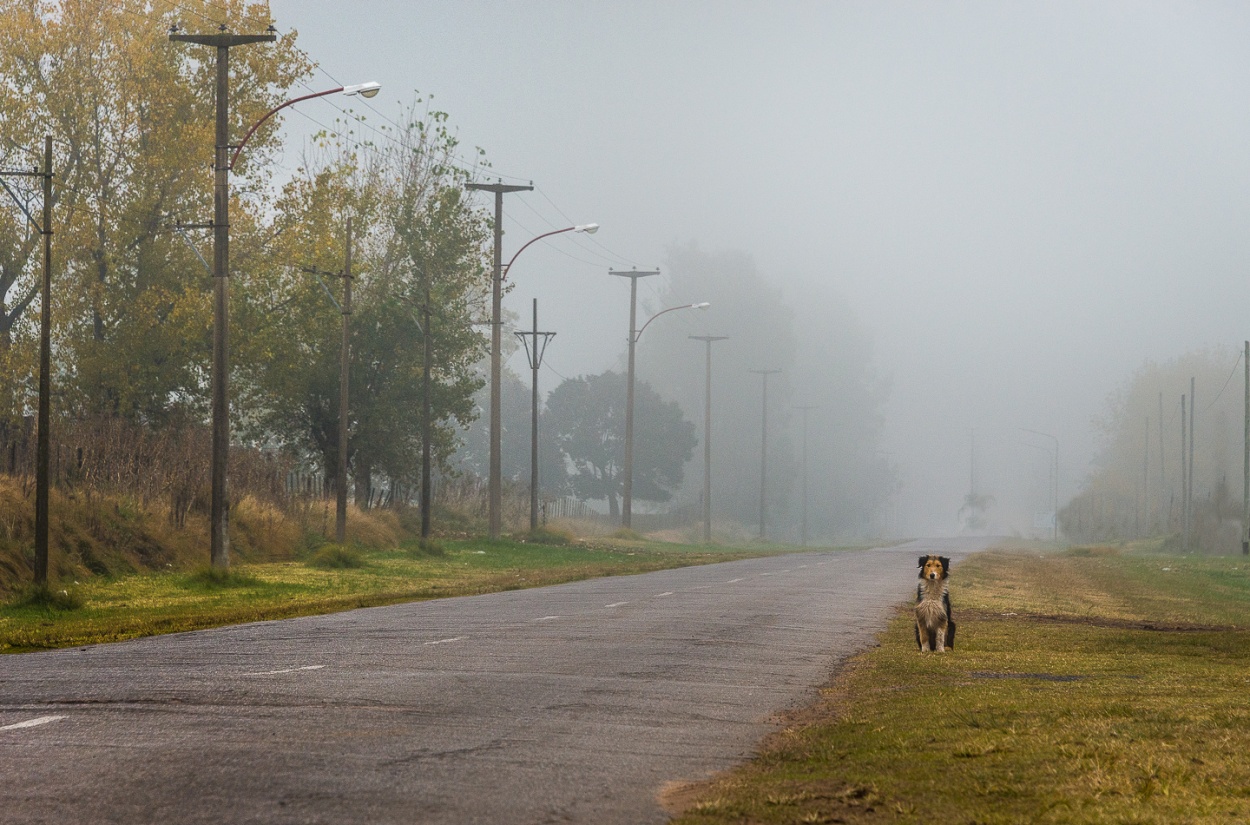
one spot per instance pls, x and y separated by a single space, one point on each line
573 703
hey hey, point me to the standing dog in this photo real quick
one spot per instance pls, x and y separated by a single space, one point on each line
935 629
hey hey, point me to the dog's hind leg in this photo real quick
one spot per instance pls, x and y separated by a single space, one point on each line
950 633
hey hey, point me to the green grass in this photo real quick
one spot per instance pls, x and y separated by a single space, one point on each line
1059 705
105 609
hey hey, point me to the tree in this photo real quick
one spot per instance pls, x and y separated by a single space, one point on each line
585 419
1136 491
132 119
414 234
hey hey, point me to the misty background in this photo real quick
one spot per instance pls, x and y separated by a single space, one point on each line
948 223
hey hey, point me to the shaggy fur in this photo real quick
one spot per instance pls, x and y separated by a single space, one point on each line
935 629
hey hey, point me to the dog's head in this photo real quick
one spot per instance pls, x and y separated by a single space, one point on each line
934 568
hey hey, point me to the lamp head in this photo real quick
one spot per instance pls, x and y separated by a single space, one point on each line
703 305
588 228
369 89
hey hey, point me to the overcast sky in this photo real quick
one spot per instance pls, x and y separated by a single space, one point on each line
1021 202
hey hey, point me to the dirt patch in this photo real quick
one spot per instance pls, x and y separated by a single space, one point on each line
1102 621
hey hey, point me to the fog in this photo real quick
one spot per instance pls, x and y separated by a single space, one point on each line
1015 206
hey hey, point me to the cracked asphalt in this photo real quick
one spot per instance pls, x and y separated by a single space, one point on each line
575 703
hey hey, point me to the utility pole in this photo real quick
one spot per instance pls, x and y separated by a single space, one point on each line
534 353
1163 477
219 515
627 497
803 521
1184 482
340 491
707 436
43 435
1189 499
1245 482
764 453
427 412
495 483
1145 478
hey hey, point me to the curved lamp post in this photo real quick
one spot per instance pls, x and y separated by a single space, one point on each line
219 510
495 483
627 495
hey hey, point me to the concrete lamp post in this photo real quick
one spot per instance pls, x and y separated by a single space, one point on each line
627 494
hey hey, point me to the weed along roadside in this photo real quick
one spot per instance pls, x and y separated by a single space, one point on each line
1090 686
325 579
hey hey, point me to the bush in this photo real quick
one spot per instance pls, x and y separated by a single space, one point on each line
49 597
337 557
627 534
426 548
550 535
213 578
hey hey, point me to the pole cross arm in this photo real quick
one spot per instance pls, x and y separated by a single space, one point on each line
534 357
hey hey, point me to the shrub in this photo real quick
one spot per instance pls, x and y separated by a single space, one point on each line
337 557
550 535
49 597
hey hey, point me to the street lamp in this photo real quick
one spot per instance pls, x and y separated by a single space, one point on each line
764 453
707 436
219 532
494 482
627 496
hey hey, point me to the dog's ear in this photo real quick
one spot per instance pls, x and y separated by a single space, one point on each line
946 563
923 559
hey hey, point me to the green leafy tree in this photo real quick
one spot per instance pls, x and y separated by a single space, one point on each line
131 114
585 419
414 235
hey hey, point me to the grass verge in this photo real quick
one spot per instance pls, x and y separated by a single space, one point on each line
1087 687
107 609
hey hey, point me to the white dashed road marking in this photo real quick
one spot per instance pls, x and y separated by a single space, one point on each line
666 593
615 604
733 581
444 641
32 723
285 670
546 618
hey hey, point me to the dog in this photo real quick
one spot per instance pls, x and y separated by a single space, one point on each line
935 629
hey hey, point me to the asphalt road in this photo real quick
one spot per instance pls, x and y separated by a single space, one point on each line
574 703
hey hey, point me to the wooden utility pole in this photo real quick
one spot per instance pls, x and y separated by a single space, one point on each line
340 485
803 518
764 453
495 481
1245 481
535 346
427 412
219 508
707 435
1184 481
43 435
1189 498
1163 478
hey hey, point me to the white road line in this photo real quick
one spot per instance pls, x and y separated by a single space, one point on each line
32 723
667 593
286 670
615 604
733 581
546 618
444 641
